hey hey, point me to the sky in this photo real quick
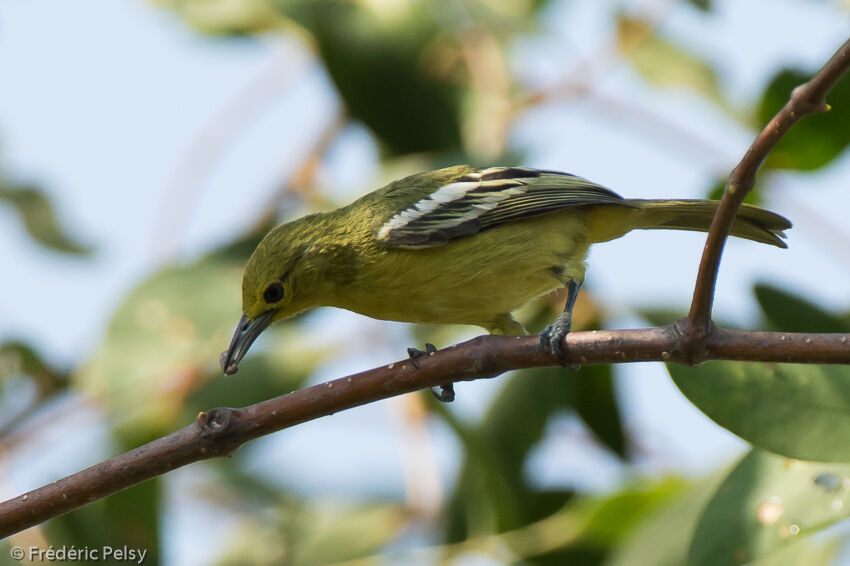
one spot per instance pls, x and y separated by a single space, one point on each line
111 115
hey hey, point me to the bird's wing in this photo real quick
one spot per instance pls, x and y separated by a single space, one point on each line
487 198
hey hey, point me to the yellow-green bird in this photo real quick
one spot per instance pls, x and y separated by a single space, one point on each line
458 245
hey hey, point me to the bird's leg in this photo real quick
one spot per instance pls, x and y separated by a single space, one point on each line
552 337
447 390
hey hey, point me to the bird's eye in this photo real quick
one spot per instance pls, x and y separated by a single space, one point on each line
273 292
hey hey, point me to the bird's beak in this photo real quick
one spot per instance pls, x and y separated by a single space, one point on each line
246 332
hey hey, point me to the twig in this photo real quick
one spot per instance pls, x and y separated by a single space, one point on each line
221 431
808 98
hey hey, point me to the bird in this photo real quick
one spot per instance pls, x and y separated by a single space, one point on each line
462 245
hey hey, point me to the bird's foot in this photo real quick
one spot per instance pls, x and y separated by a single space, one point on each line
552 338
446 394
414 353
447 390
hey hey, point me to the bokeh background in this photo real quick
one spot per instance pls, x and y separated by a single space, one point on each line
145 147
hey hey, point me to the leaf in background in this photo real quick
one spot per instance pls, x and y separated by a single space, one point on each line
664 64
815 140
662 538
129 517
379 57
228 17
801 411
618 513
702 5
261 376
596 404
163 342
317 534
768 502
17 358
39 218
792 313
661 316
491 494
753 197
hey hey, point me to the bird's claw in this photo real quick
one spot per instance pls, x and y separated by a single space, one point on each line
446 394
447 390
415 353
552 338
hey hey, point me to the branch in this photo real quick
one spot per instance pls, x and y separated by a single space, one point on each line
808 98
221 431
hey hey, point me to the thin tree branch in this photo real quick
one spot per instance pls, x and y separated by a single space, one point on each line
808 98
221 431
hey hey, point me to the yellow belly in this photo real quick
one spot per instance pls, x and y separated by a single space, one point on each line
473 280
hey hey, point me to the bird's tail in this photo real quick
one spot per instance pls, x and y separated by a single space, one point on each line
752 222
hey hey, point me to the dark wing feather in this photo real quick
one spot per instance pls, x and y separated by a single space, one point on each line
488 198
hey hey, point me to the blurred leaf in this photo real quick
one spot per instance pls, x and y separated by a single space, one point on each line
702 5
662 538
491 494
792 313
766 503
39 218
596 404
661 316
261 376
815 140
163 342
753 197
664 64
328 538
128 518
575 555
228 17
17 358
315 535
617 514
380 58
801 411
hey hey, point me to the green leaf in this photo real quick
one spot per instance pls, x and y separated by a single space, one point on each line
314 534
492 494
663 538
664 64
39 218
128 518
228 17
792 313
800 411
815 140
18 358
719 187
387 62
766 503
702 5
331 537
596 404
163 342
615 516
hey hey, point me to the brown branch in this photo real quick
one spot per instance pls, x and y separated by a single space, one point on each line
808 98
221 431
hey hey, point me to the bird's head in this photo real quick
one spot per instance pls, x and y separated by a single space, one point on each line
272 288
